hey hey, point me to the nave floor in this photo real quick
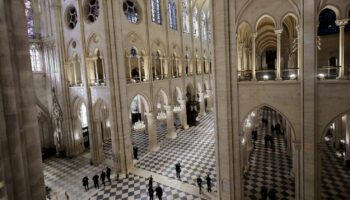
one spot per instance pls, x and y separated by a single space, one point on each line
269 167
335 176
194 148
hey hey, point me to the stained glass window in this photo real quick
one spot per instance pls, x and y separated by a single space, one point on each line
204 26
35 57
28 9
131 11
172 14
186 18
195 23
156 11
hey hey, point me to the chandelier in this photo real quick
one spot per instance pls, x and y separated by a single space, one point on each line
139 126
177 109
161 116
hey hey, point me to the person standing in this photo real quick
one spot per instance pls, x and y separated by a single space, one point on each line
150 182
178 170
66 194
95 179
263 193
254 136
108 174
86 183
159 192
208 183
199 182
103 178
150 193
135 151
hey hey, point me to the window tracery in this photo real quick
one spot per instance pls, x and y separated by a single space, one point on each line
131 11
156 11
185 17
172 15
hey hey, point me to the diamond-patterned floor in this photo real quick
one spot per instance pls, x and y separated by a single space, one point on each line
335 176
269 167
194 148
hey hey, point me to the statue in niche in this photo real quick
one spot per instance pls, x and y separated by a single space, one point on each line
57 118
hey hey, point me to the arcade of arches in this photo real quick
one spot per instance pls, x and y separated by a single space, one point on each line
253 94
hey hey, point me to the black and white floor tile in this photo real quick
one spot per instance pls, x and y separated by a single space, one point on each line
194 148
269 167
335 176
107 149
136 187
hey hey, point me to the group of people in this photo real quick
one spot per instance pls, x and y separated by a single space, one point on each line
200 181
96 178
158 189
265 193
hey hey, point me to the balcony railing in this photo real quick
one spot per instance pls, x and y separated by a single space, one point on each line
266 74
328 72
290 74
245 75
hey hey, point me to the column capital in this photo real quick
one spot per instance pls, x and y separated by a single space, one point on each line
254 35
278 32
341 22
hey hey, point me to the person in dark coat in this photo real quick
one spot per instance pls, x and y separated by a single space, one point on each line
266 139
278 128
95 179
178 170
108 174
199 182
272 194
103 178
159 192
254 136
86 183
135 151
150 193
272 129
263 193
150 182
208 183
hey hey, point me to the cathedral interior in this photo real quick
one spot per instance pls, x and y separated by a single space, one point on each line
176 99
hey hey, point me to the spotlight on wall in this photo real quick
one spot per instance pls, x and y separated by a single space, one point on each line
321 76
243 140
266 77
292 76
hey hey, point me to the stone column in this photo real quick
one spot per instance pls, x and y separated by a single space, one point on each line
341 24
295 169
161 68
95 70
209 101
253 56
201 104
139 67
183 114
170 122
74 64
129 63
152 134
245 58
278 72
347 141
337 132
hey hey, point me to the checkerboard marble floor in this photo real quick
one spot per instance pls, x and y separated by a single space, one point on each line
107 149
65 175
335 176
136 187
194 148
269 167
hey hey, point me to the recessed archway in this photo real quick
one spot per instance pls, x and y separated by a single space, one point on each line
269 154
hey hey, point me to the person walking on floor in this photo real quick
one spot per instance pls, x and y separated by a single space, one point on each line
150 182
199 182
159 192
86 183
67 196
95 179
103 178
135 151
108 174
178 170
272 194
263 193
150 193
208 183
